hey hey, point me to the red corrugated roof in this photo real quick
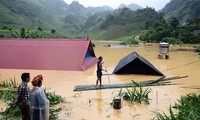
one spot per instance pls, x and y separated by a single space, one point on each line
44 54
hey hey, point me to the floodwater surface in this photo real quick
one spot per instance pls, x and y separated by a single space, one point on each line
95 104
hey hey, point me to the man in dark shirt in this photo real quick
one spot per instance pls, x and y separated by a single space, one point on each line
23 97
99 71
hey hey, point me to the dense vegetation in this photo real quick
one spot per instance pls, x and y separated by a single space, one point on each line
188 109
136 95
180 21
172 31
183 10
67 20
122 22
27 13
8 94
76 21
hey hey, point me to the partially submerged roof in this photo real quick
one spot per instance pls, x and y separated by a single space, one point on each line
46 54
135 64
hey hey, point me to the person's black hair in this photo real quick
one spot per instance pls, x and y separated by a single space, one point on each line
100 57
24 76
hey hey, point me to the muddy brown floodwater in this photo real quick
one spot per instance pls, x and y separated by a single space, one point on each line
95 104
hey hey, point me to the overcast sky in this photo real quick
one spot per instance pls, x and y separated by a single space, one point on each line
156 4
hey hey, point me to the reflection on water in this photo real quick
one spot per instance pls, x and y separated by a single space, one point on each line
90 105
99 102
117 113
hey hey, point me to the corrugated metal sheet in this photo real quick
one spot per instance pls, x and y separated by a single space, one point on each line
44 54
135 64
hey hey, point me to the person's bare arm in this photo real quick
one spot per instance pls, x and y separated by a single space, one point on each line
100 65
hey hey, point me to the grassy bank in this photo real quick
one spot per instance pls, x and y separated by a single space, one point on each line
188 108
8 94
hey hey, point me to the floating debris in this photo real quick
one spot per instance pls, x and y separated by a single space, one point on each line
158 82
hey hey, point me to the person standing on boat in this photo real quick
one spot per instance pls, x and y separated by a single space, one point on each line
99 71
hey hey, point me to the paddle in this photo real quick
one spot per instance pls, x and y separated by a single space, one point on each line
107 74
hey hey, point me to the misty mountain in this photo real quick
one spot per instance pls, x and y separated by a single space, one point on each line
134 7
76 16
183 10
93 10
33 14
51 14
130 6
75 20
122 6
121 22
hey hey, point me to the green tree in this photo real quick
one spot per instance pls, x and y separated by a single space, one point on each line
194 39
40 29
172 40
53 31
173 22
4 28
146 35
25 33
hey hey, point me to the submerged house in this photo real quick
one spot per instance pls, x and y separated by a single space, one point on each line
46 54
135 64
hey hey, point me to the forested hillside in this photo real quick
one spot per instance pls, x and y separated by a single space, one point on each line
122 22
181 24
73 20
183 10
130 6
32 14
56 19
66 20
181 20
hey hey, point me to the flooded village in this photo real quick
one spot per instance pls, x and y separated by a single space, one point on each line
96 104
99 60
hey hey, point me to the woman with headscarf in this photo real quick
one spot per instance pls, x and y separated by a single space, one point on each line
39 102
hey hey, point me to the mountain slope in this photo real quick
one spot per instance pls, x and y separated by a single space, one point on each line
74 20
18 13
182 9
132 6
52 14
94 10
122 22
